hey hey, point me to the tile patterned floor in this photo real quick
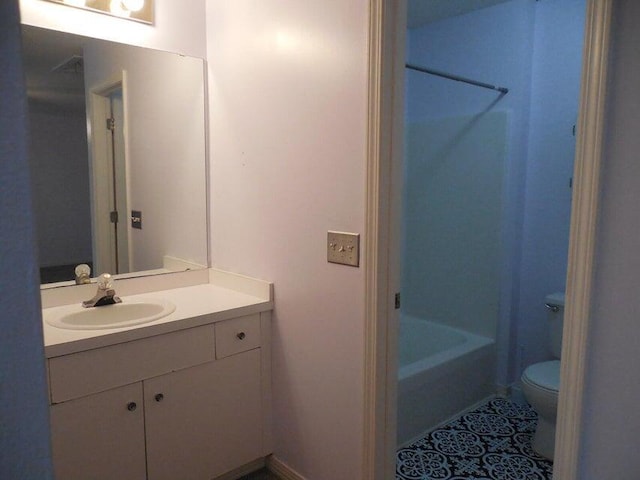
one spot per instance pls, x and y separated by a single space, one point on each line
492 442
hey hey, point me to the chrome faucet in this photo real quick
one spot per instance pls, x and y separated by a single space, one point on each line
105 295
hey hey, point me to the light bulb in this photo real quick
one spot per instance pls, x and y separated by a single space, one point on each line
133 5
117 8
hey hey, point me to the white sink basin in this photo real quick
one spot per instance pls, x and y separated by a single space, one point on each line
125 314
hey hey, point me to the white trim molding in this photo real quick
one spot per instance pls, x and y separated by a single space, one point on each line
374 365
586 186
282 470
386 34
387 24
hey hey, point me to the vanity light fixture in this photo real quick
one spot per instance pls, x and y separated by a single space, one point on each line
137 10
118 9
133 5
76 3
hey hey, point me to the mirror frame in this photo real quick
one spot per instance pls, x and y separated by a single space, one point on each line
205 168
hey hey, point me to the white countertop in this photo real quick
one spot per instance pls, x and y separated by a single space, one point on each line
195 305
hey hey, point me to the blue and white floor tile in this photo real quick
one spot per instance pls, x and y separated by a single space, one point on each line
492 442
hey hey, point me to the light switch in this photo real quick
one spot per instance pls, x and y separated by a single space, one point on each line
343 248
136 219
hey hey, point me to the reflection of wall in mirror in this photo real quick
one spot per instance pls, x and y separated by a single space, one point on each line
164 132
58 162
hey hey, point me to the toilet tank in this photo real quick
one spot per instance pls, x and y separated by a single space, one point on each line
555 304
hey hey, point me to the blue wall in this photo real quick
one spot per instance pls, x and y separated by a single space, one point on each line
534 49
555 85
24 406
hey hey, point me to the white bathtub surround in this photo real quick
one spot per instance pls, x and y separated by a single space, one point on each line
454 176
452 255
443 371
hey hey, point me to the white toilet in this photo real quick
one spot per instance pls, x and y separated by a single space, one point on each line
541 381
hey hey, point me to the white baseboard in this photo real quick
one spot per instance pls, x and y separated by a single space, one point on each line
455 416
503 391
513 392
244 470
517 395
282 470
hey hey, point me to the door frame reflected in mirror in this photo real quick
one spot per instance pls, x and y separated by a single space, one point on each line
108 161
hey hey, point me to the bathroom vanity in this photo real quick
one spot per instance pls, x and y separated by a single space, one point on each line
186 396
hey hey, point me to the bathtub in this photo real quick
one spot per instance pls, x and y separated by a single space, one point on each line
442 371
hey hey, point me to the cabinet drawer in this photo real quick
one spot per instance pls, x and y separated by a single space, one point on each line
237 335
92 371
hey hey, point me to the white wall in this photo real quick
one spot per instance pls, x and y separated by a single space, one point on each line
179 26
555 85
611 423
58 160
288 97
24 412
164 103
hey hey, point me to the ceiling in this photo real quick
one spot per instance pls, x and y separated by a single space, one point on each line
44 50
422 12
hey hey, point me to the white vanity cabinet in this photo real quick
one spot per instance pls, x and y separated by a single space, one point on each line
190 404
100 436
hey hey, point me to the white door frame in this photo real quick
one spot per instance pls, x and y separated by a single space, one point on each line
382 276
385 138
584 215
103 241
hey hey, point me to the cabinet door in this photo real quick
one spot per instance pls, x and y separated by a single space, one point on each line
100 436
204 421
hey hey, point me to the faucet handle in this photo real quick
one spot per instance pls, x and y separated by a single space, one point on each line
83 269
105 282
83 274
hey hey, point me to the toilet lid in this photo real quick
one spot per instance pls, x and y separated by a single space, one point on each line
544 374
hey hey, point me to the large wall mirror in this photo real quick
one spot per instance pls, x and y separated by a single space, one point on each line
118 156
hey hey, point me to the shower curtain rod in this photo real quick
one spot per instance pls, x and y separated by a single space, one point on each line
457 78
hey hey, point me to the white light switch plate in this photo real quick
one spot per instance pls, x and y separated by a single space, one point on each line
343 248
